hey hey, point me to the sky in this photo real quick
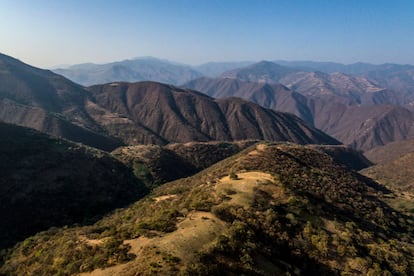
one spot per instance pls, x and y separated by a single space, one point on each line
46 33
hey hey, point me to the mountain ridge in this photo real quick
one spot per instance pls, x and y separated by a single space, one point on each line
131 70
183 115
271 209
43 100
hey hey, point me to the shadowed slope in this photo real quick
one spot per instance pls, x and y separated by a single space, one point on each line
394 165
155 165
390 152
48 102
51 182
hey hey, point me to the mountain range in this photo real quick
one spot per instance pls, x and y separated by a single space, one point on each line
134 70
151 178
354 109
48 102
174 114
369 77
115 114
357 110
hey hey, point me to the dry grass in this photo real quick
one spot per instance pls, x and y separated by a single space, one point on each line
196 232
290 209
241 190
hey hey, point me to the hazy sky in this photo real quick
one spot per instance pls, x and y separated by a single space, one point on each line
50 32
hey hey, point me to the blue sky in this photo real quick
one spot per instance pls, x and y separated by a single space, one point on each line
47 33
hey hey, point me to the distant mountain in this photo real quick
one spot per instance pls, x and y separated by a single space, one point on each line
274 96
399 78
389 77
214 69
362 126
133 70
320 84
339 104
396 77
172 114
329 67
262 72
49 182
357 89
48 102
107 116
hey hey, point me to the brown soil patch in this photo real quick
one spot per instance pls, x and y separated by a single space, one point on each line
164 197
167 253
241 190
194 233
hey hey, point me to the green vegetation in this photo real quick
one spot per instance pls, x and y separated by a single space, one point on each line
292 211
155 165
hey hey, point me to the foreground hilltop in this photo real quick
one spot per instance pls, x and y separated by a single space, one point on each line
156 165
271 209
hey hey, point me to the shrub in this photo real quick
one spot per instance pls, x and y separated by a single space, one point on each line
233 176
